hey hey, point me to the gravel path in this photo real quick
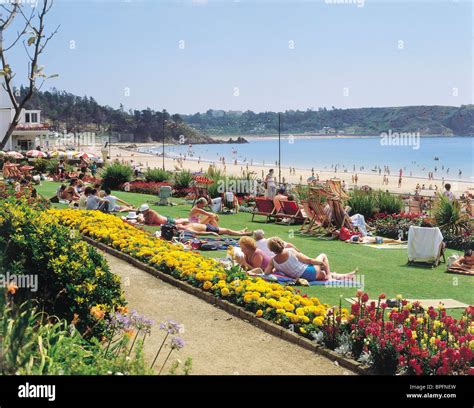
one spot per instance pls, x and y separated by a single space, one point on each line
217 342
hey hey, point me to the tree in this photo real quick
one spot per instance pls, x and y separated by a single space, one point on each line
35 40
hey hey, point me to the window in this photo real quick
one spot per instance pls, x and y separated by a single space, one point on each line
27 118
34 118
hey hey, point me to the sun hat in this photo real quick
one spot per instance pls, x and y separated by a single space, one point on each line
144 207
132 215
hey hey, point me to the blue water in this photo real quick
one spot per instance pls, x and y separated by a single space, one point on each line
455 153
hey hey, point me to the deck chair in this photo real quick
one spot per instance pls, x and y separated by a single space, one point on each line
335 187
290 213
339 216
414 206
313 223
265 208
425 246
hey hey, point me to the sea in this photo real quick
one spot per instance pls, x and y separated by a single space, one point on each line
448 157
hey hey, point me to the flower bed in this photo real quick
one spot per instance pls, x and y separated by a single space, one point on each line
391 225
283 305
406 340
146 187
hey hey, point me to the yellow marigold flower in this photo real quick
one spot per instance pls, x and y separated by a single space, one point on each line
318 321
302 330
207 285
259 313
280 311
225 292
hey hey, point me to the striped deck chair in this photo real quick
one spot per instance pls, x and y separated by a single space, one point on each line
339 216
335 187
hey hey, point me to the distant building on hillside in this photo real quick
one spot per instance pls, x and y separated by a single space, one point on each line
29 133
217 113
234 113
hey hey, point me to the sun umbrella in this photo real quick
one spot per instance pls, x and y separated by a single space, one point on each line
15 155
36 154
87 155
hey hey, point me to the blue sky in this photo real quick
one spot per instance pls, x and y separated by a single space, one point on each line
131 52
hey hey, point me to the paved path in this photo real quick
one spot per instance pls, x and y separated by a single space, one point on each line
217 342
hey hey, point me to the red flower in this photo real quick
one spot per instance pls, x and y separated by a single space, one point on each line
365 297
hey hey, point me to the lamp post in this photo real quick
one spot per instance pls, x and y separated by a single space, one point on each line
163 144
279 148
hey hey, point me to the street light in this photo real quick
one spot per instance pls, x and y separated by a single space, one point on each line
163 144
279 148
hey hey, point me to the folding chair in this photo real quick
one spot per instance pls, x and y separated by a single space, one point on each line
265 208
290 214
425 246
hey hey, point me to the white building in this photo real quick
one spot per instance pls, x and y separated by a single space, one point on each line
29 133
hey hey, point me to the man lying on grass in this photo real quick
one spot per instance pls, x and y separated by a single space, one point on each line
209 229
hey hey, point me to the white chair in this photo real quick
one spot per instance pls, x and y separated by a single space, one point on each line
425 245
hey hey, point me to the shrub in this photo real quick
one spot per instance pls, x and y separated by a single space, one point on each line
388 203
52 166
41 165
363 202
157 175
183 180
448 216
371 202
116 174
71 276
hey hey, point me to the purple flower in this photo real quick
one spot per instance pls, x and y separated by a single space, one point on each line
119 321
177 343
172 327
140 322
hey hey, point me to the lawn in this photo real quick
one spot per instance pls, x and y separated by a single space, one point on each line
384 271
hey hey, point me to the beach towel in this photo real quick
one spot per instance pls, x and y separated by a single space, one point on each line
424 244
209 244
453 269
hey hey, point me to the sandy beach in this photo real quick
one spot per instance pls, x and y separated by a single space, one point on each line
148 160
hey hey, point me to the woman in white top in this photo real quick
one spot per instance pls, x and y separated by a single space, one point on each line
298 266
270 184
262 243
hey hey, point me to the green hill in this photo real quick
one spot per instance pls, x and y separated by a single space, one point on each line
428 120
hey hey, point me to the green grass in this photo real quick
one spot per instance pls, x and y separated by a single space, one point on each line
384 271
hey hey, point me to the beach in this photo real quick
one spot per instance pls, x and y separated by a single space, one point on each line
123 153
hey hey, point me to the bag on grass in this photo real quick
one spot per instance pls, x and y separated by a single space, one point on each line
168 231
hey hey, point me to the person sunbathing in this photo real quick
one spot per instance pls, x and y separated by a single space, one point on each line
209 229
262 243
200 216
299 266
466 262
70 194
116 204
152 218
254 257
